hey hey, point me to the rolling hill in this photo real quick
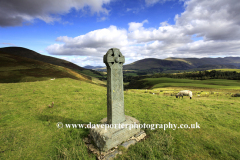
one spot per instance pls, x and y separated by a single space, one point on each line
184 63
21 69
148 65
152 63
29 54
177 64
93 67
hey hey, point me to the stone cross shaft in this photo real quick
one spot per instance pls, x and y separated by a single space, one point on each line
115 99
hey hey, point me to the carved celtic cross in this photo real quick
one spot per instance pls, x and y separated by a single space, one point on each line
115 99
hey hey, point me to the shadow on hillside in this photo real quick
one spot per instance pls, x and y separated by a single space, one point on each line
56 119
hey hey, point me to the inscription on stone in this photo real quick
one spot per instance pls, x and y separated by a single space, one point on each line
115 99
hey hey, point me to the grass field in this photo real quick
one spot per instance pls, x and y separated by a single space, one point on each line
226 69
28 126
171 82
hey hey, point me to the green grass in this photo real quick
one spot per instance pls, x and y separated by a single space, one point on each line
226 69
171 82
90 73
28 126
130 74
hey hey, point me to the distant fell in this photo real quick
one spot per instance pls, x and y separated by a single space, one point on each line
184 63
27 53
24 52
15 69
153 63
93 67
196 62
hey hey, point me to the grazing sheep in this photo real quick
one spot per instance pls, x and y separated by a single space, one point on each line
53 79
184 93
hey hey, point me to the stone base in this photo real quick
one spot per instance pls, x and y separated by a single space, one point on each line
112 153
105 139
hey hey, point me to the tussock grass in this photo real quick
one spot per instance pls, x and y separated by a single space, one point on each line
28 125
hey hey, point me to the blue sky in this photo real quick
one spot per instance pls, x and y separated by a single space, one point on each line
81 31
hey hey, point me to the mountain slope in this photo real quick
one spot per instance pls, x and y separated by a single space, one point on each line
152 63
20 69
27 53
197 62
93 67
184 63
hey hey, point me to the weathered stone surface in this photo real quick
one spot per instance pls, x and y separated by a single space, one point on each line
128 143
139 134
112 155
115 99
107 139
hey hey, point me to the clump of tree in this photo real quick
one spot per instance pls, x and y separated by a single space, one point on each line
196 75
236 95
202 75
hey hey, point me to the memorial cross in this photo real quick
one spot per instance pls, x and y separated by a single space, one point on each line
115 99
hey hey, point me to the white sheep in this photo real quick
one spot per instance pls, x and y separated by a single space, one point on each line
184 93
53 79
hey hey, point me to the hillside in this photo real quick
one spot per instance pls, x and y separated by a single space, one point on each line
27 53
93 67
152 63
235 61
160 65
20 69
29 131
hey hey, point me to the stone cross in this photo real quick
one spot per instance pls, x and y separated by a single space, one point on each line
115 99
105 139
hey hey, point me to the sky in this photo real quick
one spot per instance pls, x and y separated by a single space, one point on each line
82 31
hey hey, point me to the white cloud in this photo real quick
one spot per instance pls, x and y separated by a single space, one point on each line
213 47
94 43
213 20
15 12
152 2
134 26
165 33
216 21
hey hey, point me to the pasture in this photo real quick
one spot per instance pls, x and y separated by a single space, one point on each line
211 84
28 125
225 70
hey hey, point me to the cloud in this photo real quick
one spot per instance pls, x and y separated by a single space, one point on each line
15 12
213 20
153 2
101 19
213 47
134 26
216 23
94 43
166 33
9 44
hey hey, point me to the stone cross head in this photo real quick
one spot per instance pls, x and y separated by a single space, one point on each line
113 56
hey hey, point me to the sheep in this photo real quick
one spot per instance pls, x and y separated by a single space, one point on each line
184 93
53 79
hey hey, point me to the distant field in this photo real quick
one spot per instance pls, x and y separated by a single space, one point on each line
28 126
226 69
171 82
